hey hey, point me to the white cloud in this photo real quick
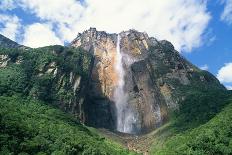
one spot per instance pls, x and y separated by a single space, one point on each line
225 73
7 5
182 22
62 11
10 26
38 35
227 12
229 87
64 14
204 67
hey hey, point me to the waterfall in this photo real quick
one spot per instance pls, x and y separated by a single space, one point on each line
125 116
157 112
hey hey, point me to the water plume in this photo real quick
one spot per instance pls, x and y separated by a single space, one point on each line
125 116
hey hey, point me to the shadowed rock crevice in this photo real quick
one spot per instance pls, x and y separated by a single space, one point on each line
98 108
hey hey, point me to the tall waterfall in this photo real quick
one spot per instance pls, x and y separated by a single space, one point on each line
125 115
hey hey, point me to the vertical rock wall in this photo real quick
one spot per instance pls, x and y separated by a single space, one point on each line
154 72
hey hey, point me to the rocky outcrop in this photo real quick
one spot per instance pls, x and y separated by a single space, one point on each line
4 60
103 78
102 46
154 74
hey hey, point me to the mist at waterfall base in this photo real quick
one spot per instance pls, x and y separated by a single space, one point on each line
126 119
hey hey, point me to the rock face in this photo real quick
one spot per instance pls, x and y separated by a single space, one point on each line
7 43
103 78
154 73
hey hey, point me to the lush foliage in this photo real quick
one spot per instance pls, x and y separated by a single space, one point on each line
199 107
214 137
32 127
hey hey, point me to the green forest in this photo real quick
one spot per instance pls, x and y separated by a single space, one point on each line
203 127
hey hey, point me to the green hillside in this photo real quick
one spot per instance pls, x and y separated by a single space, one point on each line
207 138
33 127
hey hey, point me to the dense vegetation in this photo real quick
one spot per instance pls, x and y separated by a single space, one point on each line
49 74
28 126
32 82
199 106
213 137
37 71
201 126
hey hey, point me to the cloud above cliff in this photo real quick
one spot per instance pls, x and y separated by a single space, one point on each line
9 25
183 22
229 87
41 33
227 12
162 19
204 67
225 75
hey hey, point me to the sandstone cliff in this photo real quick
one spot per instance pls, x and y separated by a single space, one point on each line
155 74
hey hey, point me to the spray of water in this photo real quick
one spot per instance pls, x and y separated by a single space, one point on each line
157 112
125 116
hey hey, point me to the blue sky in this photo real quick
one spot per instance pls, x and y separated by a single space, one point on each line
218 51
215 54
200 29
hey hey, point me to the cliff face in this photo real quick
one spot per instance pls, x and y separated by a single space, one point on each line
84 79
155 75
55 74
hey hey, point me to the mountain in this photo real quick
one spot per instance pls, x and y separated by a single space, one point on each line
7 43
82 79
156 79
139 89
